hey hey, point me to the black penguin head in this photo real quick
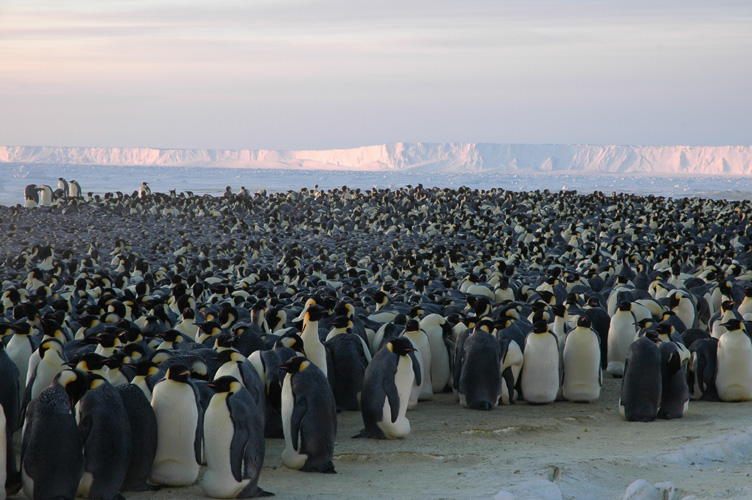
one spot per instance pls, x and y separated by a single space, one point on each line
341 322
315 313
227 355
145 368
748 291
296 364
653 336
540 326
227 383
74 382
178 373
664 328
625 306
292 341
88 362
733 325
400 346
584 322
412 325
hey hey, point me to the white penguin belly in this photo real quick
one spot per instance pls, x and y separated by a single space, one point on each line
218 481
540 371
734 377
175 460
84 486
290 457
403 379
581 369
621 334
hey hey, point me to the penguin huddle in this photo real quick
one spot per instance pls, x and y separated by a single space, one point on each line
209 324
44 195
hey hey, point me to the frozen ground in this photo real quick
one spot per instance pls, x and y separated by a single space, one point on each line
101 179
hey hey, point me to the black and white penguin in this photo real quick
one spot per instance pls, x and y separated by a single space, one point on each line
422 389
540 368
11 414
31 196
105 433
144 190
74 190
52 458
480 378
312 344
177 405
62 186
733 379
142 422
621 333
309 417
233 442
583 377
702 368
641 383
437 328
674 390
386 391
350 357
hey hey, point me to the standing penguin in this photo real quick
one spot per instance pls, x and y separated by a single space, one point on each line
234 442
310 334
31 196
143 434
702 368
309 417
674 390
349 363
422 389
386 391
480 379
9 401
621 333
583 377
52 458
144 190
540 368
641 384
74 190
734 362
437 328
177 406
106 438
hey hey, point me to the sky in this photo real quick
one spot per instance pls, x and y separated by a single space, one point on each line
299 74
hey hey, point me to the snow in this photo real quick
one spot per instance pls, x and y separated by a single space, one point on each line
434 157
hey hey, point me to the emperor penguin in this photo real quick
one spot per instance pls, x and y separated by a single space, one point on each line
641 383
10 409
621 333
142 423
701 369
583 377
312 345
62 185
386 391
674 390
746 306
437 329
350 358
31 196
144 190
540 368
733 379
233 442
105 433
480 379
74 190
422 389
309 417
177 407
3 453
52 458
46 195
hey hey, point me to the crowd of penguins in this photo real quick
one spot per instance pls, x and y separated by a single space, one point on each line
145 335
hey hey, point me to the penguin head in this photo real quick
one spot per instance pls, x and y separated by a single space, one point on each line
228 355
295 364
178 373
584 322
290 340
315 313
145 368
653 336
227 383
400 346
625 306
540 326
733 325
412 325
88 362
664 328
74 382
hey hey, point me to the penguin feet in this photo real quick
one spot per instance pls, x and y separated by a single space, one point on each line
258 492
327 468
365 433
13 484
147 487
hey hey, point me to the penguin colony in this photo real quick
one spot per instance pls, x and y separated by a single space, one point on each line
183 330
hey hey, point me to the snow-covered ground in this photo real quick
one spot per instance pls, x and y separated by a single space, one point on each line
200 180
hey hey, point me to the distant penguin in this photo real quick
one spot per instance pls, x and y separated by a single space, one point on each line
52 458
583 377
480 379
31 196
540 368
674 390
142 422
641 383
177 406
733 379
702 369
45 198
144 191
621 333
386 391
233 442
309 417
62 185
105 433
75 191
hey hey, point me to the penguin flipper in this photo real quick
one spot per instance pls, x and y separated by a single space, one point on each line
416 369
240 436
199 425
392 395
84 427
298 411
